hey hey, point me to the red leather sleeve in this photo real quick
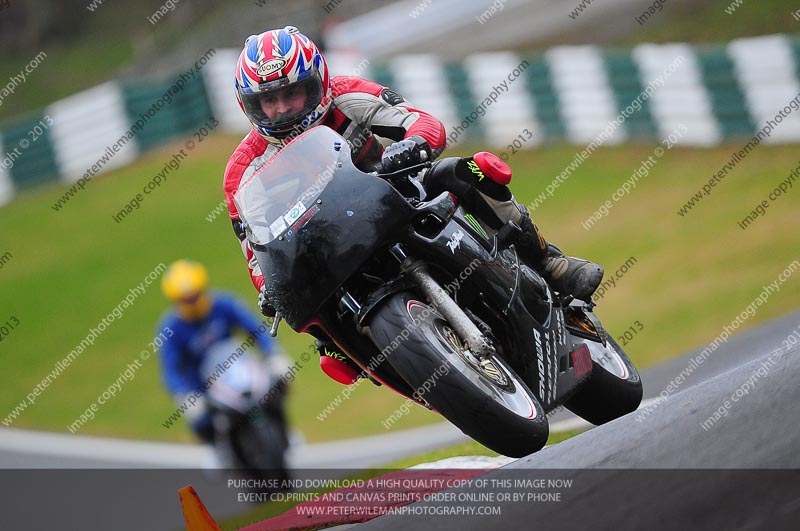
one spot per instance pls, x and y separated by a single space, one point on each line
429 128
237 164
234 170
386 112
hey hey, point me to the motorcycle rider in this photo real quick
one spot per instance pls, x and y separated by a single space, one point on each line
284 87
198 320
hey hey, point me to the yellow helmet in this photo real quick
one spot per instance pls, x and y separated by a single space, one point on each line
186 283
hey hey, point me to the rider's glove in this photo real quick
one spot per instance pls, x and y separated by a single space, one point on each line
413 150
264 305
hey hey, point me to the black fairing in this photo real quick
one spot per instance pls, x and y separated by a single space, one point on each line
356 215
530 322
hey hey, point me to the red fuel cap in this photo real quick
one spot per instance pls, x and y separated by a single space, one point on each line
493 167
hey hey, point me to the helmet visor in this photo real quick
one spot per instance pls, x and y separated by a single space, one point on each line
194 307
281 106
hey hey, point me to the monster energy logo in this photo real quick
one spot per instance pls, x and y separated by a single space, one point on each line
476 225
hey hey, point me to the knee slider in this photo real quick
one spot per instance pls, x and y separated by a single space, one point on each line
490 166
490 174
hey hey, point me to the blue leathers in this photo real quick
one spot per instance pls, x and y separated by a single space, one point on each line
183 353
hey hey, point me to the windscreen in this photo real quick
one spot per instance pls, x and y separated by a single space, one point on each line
280 192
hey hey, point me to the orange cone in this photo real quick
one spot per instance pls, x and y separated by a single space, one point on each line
194 512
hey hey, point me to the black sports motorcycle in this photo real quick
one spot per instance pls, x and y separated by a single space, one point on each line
425 299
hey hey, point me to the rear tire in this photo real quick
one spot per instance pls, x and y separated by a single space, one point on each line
614 388
492 405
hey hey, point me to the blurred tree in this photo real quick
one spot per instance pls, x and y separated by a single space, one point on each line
31 24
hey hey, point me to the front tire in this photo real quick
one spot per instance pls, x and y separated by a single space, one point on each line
614 388
491 404
258 446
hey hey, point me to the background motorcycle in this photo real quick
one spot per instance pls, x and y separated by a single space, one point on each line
365 260
247 405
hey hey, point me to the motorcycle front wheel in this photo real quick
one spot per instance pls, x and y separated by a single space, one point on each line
258 447
487 401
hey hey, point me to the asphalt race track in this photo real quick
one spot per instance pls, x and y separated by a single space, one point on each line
30 449
666 470
740 348
663 470
112 480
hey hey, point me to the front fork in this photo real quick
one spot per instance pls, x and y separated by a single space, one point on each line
477 342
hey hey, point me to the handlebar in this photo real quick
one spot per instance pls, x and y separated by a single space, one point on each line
400 173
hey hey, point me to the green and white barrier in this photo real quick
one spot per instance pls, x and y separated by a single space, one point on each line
565 94
88 132
586 100
767 70
6 185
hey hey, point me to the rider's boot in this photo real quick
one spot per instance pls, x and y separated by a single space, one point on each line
202 424
335 363
566 274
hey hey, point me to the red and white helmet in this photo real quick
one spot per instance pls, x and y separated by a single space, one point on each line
273 61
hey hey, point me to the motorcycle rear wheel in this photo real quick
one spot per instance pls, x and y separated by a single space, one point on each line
614 388
491 404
